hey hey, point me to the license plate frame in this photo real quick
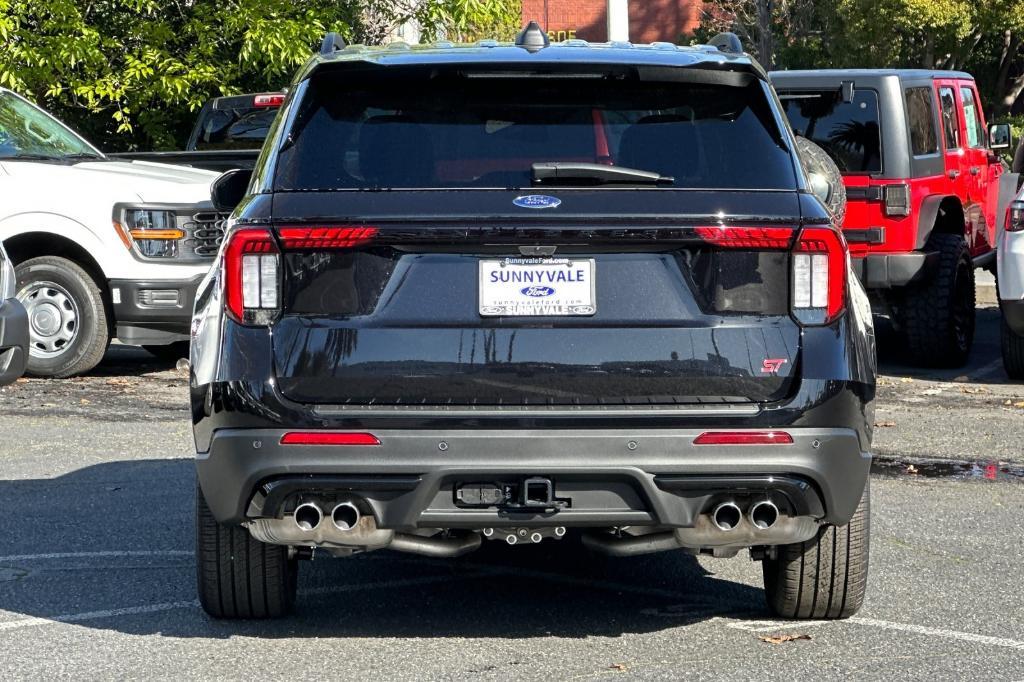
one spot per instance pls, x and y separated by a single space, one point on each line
557 287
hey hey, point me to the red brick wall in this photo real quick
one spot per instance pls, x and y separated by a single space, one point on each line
649 20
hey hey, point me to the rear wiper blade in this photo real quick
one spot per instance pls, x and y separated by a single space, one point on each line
578 173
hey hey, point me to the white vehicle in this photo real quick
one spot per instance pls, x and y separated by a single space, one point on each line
1010 274
103 249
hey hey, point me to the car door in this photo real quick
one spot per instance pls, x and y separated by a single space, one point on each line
981 176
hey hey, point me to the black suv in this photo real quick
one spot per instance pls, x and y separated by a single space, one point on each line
526 293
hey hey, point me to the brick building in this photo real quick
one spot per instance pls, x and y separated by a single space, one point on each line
649 20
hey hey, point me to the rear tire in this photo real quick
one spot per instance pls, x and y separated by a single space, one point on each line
1012 346
67 317
238 576
825 577
937 316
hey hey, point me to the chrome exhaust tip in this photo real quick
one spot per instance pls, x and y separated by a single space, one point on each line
763 514
345 516
726 516
308 516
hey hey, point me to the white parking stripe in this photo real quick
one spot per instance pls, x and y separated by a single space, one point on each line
92 555
170 606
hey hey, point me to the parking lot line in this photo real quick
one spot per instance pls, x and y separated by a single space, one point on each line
93 555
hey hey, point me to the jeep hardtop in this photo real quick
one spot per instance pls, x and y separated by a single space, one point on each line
516 293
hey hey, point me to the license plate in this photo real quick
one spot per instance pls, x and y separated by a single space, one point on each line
527 287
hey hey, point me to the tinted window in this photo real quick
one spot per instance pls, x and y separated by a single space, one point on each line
972 116
848 131
921 117
448 127
243 128
950 123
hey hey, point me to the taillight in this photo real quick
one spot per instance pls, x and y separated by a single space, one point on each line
819 276
271 100
1015 217
325 237
897 199
739 237
251 276
743 438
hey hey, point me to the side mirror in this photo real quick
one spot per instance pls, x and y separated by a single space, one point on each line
999 136
229 189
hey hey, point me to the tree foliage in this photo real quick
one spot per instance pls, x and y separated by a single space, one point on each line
132 73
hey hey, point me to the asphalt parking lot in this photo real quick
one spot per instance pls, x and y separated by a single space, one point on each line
97 577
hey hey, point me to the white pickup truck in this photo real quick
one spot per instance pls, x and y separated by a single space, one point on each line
102 248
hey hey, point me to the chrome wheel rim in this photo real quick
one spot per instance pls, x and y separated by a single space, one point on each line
53 317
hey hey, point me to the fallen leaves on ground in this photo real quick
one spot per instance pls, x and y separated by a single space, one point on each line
976 389
885 424
911 469
621 667
906 380
779 639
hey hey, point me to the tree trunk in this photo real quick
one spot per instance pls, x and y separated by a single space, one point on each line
1010 43
765 39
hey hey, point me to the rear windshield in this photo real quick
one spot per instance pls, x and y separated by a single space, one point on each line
848 131
239 128
432 128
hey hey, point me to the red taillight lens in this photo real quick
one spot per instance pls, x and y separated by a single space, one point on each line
328 438
325 237
743 438
251 279
819 275
737 237
274 100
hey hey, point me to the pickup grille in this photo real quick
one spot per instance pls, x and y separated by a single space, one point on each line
206 232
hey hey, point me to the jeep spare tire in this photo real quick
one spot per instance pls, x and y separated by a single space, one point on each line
825 178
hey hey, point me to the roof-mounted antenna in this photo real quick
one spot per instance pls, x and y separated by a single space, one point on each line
532 38
332 43
727 42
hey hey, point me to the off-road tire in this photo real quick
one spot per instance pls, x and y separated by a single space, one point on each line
1012 346
170 352
937 316
825 577
93 335
238 576
815 159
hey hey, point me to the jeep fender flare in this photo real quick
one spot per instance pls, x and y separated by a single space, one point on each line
63 229
928 216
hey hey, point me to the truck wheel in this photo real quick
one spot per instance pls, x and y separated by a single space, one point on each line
1012 347
68 328
937 316
238 576
170 352
825 577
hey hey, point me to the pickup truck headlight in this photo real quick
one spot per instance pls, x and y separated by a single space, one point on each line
154 231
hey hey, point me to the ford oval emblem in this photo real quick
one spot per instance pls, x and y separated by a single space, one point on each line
537 201
537 292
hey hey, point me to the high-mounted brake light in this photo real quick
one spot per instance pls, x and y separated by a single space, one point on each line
251 278
819 276
274 100
743 438
328 438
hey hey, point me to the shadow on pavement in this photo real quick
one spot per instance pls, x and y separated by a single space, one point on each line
145 508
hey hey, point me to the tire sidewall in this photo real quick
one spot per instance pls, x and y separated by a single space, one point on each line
92 325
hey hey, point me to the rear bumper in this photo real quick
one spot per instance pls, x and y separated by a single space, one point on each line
610 477
13 340
154 311
887 270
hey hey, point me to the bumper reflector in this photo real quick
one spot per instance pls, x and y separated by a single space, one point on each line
743 438
328 438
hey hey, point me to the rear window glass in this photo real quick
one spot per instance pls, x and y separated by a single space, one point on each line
921 116
242 128
438 128
848 131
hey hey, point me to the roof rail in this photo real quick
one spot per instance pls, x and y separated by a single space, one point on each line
727 42
532 38
332 43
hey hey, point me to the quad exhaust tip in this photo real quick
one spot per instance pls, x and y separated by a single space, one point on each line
308 516
345 516
763 514
726 516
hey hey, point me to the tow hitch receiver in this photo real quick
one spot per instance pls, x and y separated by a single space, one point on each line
535 494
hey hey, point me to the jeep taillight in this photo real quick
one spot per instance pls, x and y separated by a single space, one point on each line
819 276
252 286
1015 216
897 199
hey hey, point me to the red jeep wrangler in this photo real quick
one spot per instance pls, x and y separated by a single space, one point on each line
922 188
